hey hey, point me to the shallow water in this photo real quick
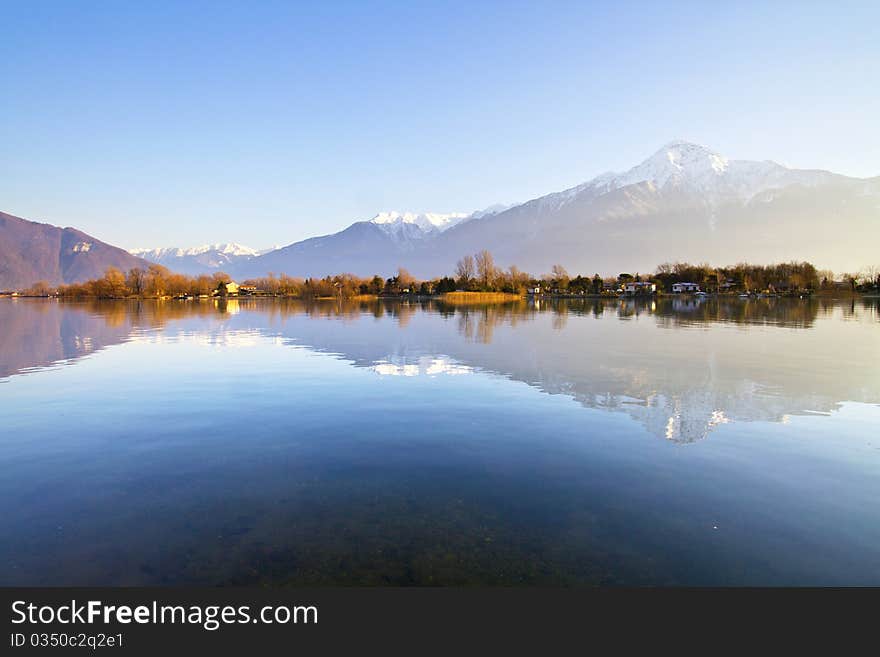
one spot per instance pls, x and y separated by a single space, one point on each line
276 442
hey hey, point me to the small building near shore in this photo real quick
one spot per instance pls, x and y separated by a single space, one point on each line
639 287
231 288
685 288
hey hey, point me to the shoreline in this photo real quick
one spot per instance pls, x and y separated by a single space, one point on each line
464 297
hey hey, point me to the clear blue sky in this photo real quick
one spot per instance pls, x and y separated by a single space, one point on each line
160 124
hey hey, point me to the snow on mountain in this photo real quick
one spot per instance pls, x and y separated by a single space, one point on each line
491 210
677 160
400 224
412 225
227 249
698 170
729 210
684 202
198 259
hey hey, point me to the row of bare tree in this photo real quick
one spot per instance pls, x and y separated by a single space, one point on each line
477 272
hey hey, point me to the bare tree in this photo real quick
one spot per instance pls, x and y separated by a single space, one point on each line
869 275
485 268
559 272
826 277
112 284
464 269
39 289
518 279
560 276
404 278
136 281
223 277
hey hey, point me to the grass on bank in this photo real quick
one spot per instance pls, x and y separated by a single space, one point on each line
479 297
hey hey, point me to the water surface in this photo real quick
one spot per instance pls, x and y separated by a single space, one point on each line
276 442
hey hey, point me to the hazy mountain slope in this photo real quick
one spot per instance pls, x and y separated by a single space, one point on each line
684 202
633 228
363 248
377 246
32 252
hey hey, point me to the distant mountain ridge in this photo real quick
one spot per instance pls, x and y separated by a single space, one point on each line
684 202
199 259
404 230
31 252
365 246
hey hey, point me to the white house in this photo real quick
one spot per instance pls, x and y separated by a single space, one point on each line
680 288
639 287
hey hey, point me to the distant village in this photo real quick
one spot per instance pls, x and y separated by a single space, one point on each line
477 275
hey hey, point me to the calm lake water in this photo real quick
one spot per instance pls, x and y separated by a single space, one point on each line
274 442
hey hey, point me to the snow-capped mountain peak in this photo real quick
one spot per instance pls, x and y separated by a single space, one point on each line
684 159
233 248
698 170
427 221
417 225
198 259
227 249
676 162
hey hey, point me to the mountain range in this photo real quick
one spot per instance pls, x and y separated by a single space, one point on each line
199 259
31 252
683 203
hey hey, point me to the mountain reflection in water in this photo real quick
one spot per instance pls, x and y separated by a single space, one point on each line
680 367
275 442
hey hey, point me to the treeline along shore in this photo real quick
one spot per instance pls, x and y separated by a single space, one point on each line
476 277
